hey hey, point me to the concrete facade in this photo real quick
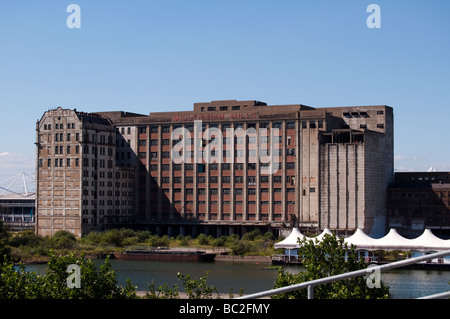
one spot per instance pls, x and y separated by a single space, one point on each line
79 188
334 167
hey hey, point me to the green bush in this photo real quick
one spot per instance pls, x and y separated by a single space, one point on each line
63 240
324 259
95 283
202 239
26 238
251 235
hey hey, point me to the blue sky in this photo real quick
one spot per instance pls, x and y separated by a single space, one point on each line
148 56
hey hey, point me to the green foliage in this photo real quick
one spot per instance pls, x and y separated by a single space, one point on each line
63 240
327 258
28 246
202 239
116 237
95 283
157 241
162 292
252 243
194 288
197 288
184 240
4 239
26 238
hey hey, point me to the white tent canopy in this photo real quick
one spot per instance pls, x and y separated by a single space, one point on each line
392 241
291 241
428 241
326 231
361 240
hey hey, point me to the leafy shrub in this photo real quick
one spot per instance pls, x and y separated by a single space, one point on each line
95 283
202 239
327 258
63 240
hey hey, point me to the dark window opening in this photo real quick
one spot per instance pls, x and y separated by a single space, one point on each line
364 114
343 137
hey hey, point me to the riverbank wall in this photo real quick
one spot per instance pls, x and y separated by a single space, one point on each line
243 259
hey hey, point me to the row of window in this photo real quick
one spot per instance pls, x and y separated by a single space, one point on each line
225 191
214 166
227 179
93 138
59 137
225 154
224 126
237 203
59 162
59 126
225 140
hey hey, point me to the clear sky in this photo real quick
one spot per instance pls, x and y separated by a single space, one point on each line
148 56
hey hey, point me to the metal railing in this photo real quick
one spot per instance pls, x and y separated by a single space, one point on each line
362 272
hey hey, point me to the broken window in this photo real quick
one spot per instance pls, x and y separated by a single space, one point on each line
342 137
347 115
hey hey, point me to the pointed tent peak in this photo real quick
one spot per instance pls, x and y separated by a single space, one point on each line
291 241
326 231
428 233
359 234
361 240
430 241
393 240
295 233
393 234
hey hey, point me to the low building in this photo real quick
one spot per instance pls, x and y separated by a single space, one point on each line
419 200
17 211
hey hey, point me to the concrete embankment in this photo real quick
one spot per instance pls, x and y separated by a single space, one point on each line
243 259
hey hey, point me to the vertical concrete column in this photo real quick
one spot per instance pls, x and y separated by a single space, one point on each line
219 178
196 160
297 171
283 171
258 175
270 144
207 173
160 192
245 167
231 148
147 175
171 193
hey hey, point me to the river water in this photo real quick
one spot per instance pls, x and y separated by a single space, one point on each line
251 277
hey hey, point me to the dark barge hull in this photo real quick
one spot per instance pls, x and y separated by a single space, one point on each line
201 257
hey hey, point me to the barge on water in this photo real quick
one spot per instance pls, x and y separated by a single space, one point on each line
165 254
